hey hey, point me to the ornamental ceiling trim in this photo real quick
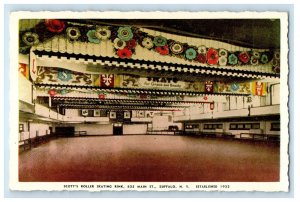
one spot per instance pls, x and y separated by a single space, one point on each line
45 58
124 42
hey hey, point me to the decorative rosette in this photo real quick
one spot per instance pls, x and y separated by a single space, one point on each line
163 50
255 54
202 50
147 43
244 57
264 59
223 60
73 33
254 60
201 58
125 33
30 38
176 48
277 55
160 41
212 56
119 44
124 53
131 44
52 92
276 63
223 52
55 26
92 37
190 53
102 33
232 59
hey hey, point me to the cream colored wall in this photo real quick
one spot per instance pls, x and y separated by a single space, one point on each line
94 129
135 129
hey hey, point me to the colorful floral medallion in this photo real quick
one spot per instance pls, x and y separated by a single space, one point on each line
102 33
124 53
212 56
264 59
119 44
201 58
244 57
92 37
160 41
131 44
73 33
125 33
254 60
202 50
147 43
30 38
55 26
223 60
176 48
232 59
190 54
163 50
223 52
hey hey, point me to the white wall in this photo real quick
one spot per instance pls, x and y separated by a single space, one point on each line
41 128
95 129
135 129
25 89
163 123
25 134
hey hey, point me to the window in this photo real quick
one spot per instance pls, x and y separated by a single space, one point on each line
233 126
244 126
241 126
213 126
191 126
275 126
21 127
248 126
255 126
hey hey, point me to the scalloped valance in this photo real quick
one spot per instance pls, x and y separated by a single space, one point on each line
144 44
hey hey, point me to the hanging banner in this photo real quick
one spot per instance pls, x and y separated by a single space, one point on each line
33 66
209 87
107 80
233 87
24 70
51 75
133 81
259 88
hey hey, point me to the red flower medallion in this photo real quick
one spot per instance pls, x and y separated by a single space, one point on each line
55 26
131 44
201 58
244 57
163 50
124 53
212 56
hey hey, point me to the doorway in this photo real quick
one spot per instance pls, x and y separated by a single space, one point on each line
118 129
65 131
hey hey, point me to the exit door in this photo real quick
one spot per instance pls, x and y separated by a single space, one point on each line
118 129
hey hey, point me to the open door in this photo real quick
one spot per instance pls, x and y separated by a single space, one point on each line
118 129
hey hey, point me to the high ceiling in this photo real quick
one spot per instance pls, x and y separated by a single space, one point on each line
252 33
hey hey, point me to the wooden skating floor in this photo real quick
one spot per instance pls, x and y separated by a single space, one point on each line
150 158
